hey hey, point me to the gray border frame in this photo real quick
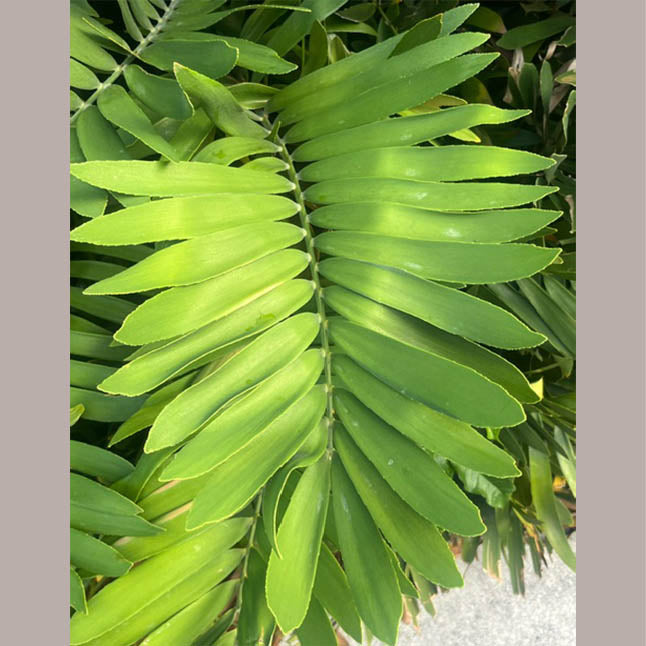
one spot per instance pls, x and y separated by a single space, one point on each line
611 122
35 323
611 290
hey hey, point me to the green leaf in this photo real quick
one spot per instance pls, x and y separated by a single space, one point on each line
308 453
240 423
290 579
429 429
316 629
411 472
97 509
445 163
428 377
546 83
298 24
257 57
103 408
218 103
158 365
571 102
86 200
442 196
77 593
227 150
545 504
219 296
76 413
81 77
495 491
389 218
234 482
391 97
487 19
416 540
213 58
403 130
531 33
93 556
94 461
201 258
255 623
454 18
423 32
189 623
457 262
162 95
117 106
414 333
182 218
449 309
162 179
263 357
121 626
84 46
563 325
332 589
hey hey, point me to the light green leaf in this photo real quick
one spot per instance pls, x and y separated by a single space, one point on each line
530 33
431 430
94 461
441 196
332 589
201 258
444 163
77 593
159 606
457 262
316 629
240 423
263 357
413 537
391 97
371 574
189 623
94 556
81 77
545 504
427 377
389 218
449 309
162 179
162 95
173 312
255 623
229 149
416 334
234 482
353 90
411 472
213 58
218 103
117 106
290 579
158 365
404 130
183 218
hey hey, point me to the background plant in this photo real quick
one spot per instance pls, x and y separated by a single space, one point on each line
323 319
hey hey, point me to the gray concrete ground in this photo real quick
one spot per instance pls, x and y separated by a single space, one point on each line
486 613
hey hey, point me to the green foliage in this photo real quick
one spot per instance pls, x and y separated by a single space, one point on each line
322 312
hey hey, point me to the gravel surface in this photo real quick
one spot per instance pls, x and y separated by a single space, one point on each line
486 613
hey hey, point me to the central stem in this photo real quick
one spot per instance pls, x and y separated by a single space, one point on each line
127 61
318 292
